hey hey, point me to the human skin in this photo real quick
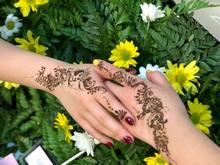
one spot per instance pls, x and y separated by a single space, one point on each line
161 117
78 87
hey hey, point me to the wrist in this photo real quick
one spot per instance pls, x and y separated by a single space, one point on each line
58 73
186 142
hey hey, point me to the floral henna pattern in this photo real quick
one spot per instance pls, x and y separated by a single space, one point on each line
70 77
151 106
119 76
118 113
102 68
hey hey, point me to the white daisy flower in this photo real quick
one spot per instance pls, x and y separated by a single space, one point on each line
151 12
12 25
149 68
85 142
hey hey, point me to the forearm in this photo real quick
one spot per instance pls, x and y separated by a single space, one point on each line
21 66
188 146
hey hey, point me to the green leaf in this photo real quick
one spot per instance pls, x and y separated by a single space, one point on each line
123 18
6 95
24 143
124 34
187 6
89 160
205 67
21 98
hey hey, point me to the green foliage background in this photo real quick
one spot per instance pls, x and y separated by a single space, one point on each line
83 30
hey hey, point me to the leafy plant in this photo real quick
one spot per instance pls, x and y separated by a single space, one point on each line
82 30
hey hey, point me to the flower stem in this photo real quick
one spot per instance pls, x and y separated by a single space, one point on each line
73 158
146 35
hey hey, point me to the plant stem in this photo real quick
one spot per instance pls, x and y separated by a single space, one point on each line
146 35
73 158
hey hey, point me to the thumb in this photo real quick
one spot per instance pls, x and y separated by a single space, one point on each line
157 78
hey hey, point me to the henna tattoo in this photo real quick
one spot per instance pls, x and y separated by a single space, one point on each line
151 106
118 113
119 76
71 77
124 79
102 68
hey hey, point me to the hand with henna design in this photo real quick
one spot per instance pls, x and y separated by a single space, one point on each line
161 117
79 88
82 84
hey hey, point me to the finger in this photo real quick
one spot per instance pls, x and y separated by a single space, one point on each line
99 126
109 101
121 94
78 115
111 72
94 133
131 71
118 132
117 90
157 78
113 105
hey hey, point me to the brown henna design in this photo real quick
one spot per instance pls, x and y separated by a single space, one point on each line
102 68
70 77
124 79
119 76
151 106
118 113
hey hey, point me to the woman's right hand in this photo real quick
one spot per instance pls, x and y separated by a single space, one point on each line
88 100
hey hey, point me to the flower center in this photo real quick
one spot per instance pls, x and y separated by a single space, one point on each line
181 78
10 25
31 1
160 161
195 118
125 56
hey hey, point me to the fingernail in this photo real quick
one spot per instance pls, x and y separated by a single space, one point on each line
131 71
109 144
127 140
95 62
129 120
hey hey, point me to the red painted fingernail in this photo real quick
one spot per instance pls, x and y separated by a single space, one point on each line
127 140
129 120
109 144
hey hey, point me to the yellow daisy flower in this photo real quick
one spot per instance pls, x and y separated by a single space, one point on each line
123 54
200 115
183 77
156 160
31 44
9 85
62 122
27 5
